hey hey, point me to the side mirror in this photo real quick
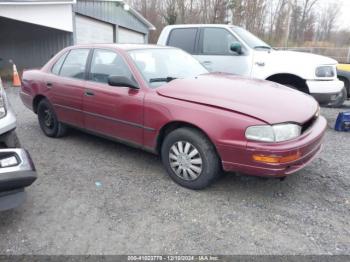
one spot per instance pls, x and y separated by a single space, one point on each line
122 81
237 48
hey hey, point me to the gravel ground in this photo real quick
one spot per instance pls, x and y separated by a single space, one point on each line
137 209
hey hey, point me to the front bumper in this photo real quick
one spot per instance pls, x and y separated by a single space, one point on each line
15 178
326 92
308 146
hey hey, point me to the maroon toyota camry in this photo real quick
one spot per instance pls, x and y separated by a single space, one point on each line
162 100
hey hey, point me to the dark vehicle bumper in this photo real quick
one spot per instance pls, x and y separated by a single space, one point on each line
16 177
328 99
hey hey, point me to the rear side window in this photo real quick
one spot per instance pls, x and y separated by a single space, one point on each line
184 38
107 63
57 67
75 64
217 41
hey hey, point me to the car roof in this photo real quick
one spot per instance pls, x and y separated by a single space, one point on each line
201 25
125 47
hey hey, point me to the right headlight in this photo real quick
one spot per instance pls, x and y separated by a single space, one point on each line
325 71
274 133
2 103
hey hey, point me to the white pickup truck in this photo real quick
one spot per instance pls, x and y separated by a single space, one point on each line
232 49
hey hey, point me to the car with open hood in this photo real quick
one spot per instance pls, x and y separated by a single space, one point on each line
162 100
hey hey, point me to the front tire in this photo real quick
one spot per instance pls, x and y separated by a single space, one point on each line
48 120
190 158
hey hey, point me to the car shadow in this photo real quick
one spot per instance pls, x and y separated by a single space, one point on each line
228 182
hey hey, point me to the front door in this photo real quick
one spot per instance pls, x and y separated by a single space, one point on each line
109 110
215 53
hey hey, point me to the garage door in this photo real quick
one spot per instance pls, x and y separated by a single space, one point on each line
126 36
91 31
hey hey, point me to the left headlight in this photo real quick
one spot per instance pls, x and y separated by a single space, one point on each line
2 103
325 71
275 133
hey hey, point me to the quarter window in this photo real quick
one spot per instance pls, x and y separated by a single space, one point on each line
75 64
184 38
57 67
107 63
217 41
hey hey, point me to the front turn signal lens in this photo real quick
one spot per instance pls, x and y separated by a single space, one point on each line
276 159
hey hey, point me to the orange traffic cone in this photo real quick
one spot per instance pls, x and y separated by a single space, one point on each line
16 80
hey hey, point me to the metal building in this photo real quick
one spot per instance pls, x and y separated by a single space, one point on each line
31 31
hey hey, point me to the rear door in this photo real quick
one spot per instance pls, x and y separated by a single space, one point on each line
109 110
66 86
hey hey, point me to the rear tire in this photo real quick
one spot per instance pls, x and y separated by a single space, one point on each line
190 158
48 120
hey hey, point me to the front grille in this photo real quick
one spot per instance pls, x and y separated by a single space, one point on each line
309 124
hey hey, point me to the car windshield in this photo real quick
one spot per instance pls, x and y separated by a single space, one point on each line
162 65
250 39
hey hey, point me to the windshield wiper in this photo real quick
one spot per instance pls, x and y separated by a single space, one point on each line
262 47
165 79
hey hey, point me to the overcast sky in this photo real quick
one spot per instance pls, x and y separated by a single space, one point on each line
344 18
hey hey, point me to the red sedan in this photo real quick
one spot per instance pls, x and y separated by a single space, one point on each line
162 100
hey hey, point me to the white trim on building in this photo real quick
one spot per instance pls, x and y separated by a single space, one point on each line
58 17
37 2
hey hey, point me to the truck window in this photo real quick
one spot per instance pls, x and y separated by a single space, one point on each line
183 38
217 41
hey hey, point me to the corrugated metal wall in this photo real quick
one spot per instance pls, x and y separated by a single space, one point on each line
29 45
111 12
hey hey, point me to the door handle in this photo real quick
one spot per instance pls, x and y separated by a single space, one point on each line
89 93
207 62
49 85
260 63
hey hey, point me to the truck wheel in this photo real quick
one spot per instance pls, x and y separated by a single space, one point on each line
190 158
48 121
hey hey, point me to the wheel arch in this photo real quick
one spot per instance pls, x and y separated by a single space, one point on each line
36 102
171 126
290 79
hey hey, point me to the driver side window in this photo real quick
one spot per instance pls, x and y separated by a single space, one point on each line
217 41
107 63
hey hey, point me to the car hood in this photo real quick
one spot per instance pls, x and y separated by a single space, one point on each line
305 57
267 101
